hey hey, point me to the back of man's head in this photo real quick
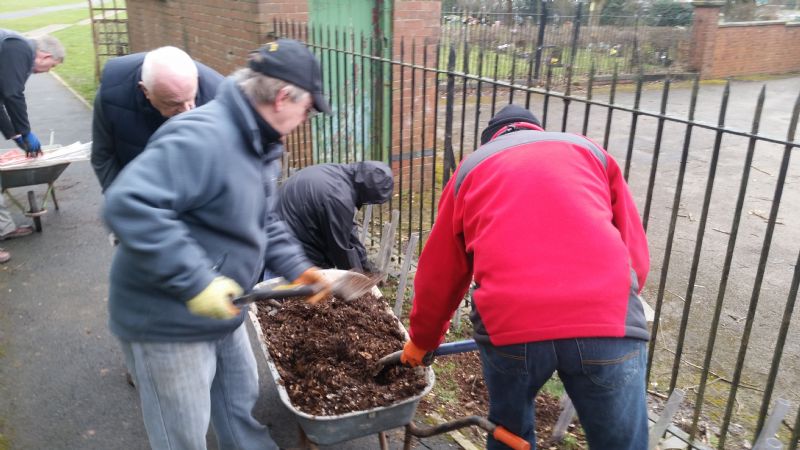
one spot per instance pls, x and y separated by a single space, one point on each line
169 80
52 46
167 62
49 53
507 116
373 182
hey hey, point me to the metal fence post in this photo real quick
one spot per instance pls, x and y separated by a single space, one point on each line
365 224
564 419
540 39
449 156
779 411
665 419
401 287
387 237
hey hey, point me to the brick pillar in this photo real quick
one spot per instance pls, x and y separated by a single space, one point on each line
704 35
414 22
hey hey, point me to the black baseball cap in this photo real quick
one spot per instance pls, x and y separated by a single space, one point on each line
292 62
506 116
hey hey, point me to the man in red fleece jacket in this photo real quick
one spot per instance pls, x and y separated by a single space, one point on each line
546 226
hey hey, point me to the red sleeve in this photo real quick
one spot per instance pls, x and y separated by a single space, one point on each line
626 219
443 275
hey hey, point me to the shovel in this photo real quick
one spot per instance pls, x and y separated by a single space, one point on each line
349 286
449 348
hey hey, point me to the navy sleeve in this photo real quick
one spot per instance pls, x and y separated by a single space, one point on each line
15 68
104 160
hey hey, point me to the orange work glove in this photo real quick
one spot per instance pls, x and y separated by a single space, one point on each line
314 277
412 355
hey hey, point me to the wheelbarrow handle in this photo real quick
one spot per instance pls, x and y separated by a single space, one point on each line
510 439
498 432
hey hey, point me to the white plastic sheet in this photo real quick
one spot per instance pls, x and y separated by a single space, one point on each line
51 155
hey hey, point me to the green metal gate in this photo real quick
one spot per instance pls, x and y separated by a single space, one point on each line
359 87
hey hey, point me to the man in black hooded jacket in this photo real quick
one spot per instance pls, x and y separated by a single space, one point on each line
319 203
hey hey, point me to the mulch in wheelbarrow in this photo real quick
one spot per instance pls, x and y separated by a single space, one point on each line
326 354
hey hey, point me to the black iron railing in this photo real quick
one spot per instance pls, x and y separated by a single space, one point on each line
710 165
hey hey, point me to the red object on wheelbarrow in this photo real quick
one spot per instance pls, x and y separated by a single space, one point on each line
17 170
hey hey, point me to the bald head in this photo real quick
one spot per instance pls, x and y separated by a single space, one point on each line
169 80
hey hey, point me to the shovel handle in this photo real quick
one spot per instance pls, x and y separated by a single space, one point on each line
510 439
275 294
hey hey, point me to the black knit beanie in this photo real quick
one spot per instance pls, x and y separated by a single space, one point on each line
508 115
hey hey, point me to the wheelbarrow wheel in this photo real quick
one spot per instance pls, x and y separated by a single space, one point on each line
37 219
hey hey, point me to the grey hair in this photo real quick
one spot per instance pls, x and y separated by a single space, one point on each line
262 89
168 59
48 44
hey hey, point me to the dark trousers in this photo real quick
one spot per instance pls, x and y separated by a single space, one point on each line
604 377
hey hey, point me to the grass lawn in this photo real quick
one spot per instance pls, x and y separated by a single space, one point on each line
20 5
78 69
26 24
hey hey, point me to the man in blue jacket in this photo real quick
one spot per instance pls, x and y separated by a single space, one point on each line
137 94
194 214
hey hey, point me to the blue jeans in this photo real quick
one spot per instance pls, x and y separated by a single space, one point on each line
183 385
604 377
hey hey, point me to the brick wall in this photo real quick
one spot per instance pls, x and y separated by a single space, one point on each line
219 34
746 48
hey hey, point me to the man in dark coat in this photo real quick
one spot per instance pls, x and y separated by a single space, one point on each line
137 94
19 58
318 204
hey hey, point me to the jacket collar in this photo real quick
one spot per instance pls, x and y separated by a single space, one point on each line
243 114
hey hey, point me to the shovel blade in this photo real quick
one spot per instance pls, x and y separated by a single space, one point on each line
352 285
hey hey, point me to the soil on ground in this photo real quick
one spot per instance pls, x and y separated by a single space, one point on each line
326 354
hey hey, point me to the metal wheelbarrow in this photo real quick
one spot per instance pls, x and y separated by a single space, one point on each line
334 429
32 176
17 171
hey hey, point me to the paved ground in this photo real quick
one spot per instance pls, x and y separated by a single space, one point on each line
62 380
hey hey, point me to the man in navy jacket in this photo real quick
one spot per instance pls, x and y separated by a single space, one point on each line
137 94
19 58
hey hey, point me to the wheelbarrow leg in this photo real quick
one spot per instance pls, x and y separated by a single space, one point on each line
305 442
408 438
37 220
53 195
384 441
